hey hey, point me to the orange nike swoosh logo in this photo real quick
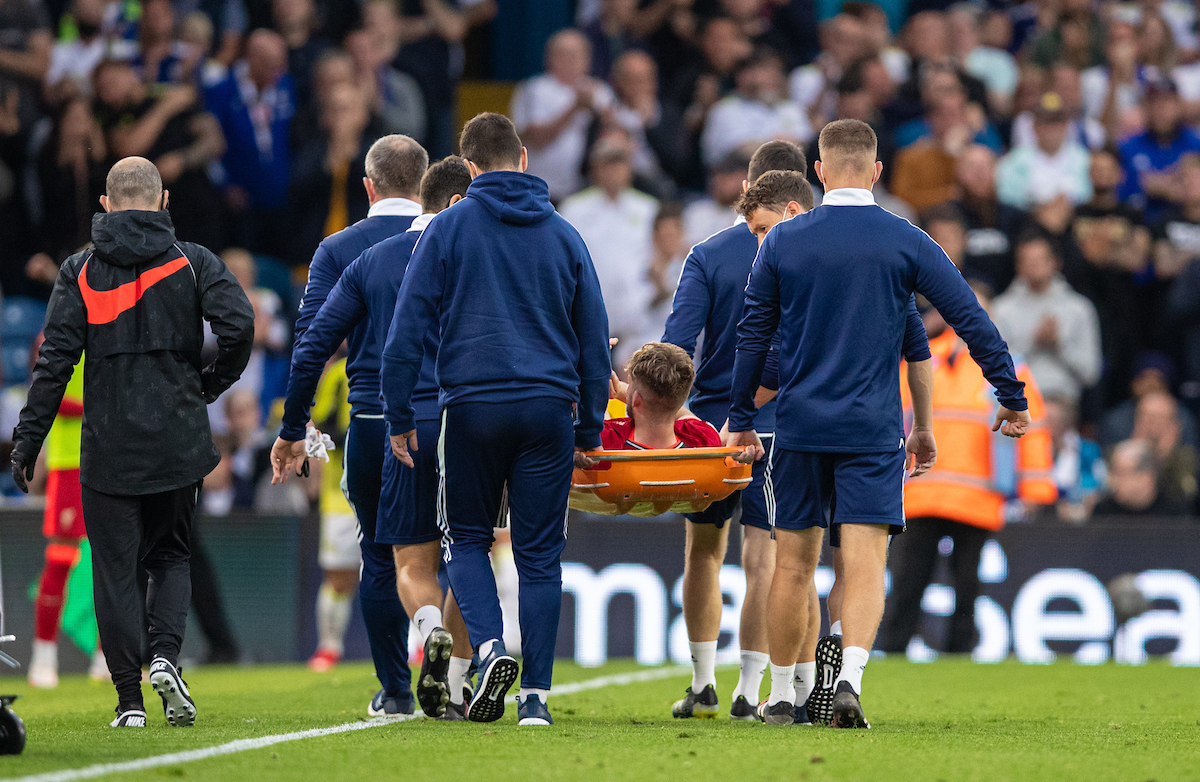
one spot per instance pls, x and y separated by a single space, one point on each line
106 306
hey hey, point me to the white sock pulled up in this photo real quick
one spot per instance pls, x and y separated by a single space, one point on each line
427 619
704 664
750 675
456 678
782 686
805 679
854 660
836 628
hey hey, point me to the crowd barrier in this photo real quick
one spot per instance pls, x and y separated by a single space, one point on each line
1043 595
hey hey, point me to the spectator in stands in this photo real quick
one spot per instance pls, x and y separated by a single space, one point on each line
705 216
1112 89
656 130
611 35
992 227
1177 236
25 46
1133 479
160 58
1079 470
947 104
757 111
1055 165
434 30
1064 81
880 44
709 77
1113 253
1075 34
335 68
665 267
1054 328
296 21
814 86
552 112
250 447
945 225
326 187
177 134
1157 422
1149 159
996 68
1153 373
196 40
73 60
255 105
925 169
617 225
1183 316
71 171
392 96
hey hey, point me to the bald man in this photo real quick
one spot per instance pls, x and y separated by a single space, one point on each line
136 298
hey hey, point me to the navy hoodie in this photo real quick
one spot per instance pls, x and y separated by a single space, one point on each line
512 286
837 284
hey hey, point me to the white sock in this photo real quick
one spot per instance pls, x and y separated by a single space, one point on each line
805 679
753 666
427 619
333 615
527 691
485 648
782 687
704 664
854 660
836 628
456 679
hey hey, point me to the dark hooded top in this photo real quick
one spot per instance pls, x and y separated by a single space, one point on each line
134 301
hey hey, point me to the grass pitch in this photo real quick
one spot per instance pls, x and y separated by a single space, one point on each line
951 720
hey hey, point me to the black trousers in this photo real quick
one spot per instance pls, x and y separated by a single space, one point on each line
913 557
153 530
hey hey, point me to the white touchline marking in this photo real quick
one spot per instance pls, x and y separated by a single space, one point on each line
242 745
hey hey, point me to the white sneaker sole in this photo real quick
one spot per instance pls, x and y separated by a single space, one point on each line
179 711
535 721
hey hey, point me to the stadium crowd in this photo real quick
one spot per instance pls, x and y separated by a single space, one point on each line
1049 147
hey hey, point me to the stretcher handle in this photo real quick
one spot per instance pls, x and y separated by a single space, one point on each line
674 454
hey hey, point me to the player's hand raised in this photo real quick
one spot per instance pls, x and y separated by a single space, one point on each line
402 444
750 443
1012 423
922 451
287 458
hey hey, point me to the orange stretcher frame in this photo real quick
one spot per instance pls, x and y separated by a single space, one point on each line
652 482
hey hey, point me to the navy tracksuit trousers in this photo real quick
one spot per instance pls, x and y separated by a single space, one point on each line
522 453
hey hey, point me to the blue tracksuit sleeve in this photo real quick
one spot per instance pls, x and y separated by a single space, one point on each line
940 282
770 374
590 322
343 309
760 321
689 310
323 274
916 341
418 305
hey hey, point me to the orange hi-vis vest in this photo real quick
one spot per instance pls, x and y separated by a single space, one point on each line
977 470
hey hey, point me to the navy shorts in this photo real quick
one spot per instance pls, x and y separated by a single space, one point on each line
408 501
753 498
816 489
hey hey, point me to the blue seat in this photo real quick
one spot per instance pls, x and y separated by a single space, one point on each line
14 358
23 317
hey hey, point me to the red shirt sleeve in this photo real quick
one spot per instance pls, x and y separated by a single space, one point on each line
695 433
616 431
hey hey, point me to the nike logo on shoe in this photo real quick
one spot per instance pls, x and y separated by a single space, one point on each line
106 306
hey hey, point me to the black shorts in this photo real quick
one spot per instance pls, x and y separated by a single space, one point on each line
754 499
808 487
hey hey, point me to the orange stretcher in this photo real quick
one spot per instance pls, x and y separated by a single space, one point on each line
648 483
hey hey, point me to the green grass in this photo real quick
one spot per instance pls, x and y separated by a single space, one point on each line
951 720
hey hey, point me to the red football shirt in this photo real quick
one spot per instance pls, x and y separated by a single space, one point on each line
689 433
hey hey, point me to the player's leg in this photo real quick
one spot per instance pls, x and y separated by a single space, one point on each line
538 489
758 564
459 671
475 452
62 524
407 520
113 525
383 615
964 571
914 556
166 521
805 676
837 592
802 492
704 553
828 652
338 586
870 506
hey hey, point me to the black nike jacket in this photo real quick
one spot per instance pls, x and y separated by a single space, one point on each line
134 302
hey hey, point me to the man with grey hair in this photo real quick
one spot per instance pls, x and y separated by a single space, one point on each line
394 167
136 298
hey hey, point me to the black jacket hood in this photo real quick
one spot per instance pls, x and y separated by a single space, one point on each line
132 237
